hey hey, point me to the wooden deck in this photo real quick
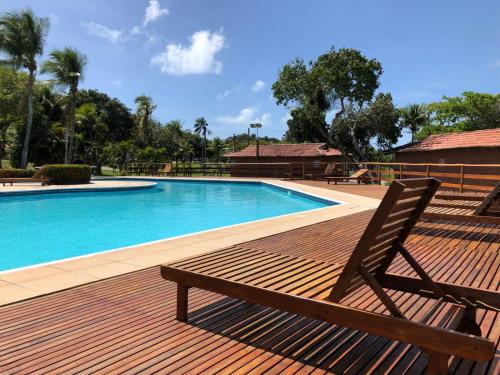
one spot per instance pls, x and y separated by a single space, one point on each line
127 324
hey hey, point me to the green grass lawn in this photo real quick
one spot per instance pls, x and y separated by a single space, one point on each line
7 164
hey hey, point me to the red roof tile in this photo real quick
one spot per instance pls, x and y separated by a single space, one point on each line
478 138
286 150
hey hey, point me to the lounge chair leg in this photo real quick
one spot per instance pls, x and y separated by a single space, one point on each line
438 364
182 302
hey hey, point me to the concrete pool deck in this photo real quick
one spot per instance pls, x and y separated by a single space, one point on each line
28 187
33 281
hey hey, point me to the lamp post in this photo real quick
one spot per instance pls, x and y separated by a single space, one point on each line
257 126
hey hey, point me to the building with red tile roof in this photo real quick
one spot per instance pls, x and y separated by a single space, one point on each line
489 138
282 157
286 150
475 147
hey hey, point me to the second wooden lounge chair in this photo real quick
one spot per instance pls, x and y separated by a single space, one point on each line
487 212
315 289
330 170
167 170
359 176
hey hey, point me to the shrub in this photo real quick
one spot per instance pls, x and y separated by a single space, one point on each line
61 174
16 173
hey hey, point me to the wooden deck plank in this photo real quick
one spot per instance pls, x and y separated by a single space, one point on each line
127 324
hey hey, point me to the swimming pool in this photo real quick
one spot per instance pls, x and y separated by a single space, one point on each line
42 228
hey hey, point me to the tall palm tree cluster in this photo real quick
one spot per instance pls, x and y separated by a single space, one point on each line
22 41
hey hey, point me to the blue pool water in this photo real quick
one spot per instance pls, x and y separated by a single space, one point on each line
48 227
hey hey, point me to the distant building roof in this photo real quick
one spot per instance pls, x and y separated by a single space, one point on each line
286 150
478 138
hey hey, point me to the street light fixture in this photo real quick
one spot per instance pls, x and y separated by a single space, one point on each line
257 126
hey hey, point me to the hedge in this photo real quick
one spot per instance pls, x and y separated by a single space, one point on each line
62 174
16 173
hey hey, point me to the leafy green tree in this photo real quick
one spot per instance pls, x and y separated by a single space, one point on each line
47 135
12 84
91 135
144 117
119 154
186 151
22 38
470 111
170 137
201 128
217 148
67 66
303 126
336 80
358 129
118 118
414 117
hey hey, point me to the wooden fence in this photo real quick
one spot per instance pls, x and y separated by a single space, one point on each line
456 176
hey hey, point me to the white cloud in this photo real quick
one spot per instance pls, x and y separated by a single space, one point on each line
265 119
258 86
225 94
285 118
104 32
495 65
197 58
154 11
136 30
245 117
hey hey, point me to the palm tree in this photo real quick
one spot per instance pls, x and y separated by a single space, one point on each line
201 128
22 38
414 117
144 113
68 68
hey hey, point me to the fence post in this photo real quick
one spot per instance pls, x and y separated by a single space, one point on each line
427 171
462 178
400 171
303 170
379 174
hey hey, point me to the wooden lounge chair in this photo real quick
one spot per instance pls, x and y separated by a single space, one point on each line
487 212
11 181
167 170
315 289
330 170
359 176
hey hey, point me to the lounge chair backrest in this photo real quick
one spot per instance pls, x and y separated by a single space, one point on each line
330 168
167 168
490 206
360 173
388 229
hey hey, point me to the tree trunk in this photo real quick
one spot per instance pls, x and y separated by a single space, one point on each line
70 128
3 141
71 131
204 151
29 121
67 112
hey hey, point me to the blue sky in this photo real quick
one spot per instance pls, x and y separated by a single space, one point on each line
218 59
